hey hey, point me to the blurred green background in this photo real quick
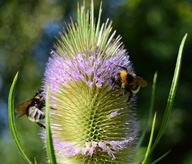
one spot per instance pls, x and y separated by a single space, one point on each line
151 31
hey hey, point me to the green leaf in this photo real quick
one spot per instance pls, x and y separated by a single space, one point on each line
49 143
11 119
151 108
150 141
171 96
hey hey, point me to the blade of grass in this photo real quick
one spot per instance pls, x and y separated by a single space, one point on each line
171 96
49 142
148 121
161 157
11 119
150 141
152 99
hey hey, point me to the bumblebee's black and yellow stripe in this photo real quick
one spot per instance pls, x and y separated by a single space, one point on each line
130 82
34 109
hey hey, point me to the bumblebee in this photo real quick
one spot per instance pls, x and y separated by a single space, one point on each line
33 108
130 82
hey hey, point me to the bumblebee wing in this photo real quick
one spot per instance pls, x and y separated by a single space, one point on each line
21 109
141 82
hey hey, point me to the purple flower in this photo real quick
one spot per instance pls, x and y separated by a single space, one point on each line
91 120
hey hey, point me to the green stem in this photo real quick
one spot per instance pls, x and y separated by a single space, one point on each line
11 119
49 142
150 141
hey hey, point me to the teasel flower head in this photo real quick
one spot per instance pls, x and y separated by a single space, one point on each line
92 120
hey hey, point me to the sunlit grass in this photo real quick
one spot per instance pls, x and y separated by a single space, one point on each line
151 109
150 140
11 118
49 144
169 105
172 94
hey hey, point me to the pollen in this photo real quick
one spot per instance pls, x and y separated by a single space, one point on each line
123 75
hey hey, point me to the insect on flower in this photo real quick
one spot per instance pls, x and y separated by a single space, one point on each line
33 108
91 123
129 81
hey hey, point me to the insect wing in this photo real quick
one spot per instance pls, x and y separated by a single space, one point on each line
141 82
21 109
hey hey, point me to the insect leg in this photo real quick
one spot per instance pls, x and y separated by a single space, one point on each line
41 125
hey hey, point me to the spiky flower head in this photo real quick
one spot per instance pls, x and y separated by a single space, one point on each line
92 120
